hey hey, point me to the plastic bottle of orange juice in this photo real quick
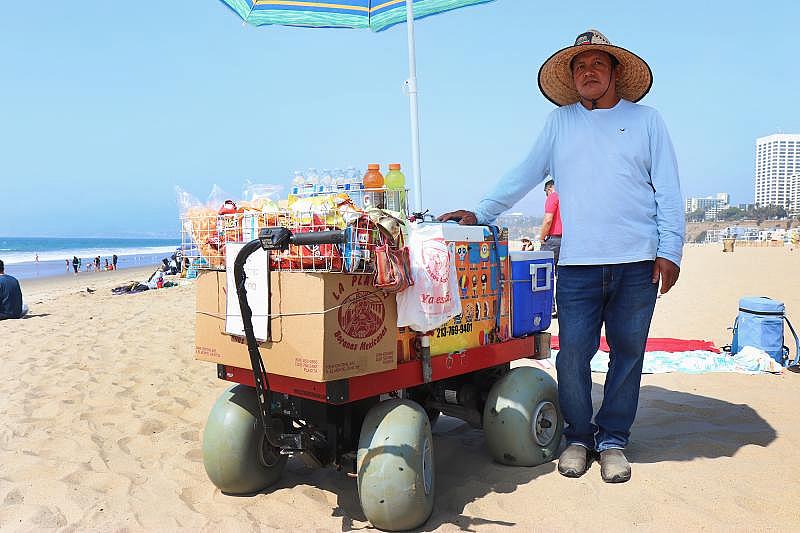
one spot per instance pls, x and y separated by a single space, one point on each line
373 183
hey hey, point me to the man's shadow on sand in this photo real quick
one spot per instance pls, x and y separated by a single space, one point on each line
680 426
670 426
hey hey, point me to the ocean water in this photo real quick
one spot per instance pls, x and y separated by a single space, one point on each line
30 257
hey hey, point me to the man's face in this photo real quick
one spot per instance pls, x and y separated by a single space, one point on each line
548 190
592 73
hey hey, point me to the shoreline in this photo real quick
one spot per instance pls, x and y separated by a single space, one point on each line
37 291
31 270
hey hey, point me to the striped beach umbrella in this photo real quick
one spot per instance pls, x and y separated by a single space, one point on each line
376 15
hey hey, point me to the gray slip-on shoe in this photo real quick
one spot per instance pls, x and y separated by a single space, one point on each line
614 466
574 461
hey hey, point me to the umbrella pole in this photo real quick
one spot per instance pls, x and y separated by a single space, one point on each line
411 85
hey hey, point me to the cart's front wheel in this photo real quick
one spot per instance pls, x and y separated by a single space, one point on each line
395 466
237 457
521 419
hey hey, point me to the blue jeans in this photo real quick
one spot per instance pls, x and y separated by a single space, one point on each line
623 297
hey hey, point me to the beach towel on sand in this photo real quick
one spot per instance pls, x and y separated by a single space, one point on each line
748 361
660 345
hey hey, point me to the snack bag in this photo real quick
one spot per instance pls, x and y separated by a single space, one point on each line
322 257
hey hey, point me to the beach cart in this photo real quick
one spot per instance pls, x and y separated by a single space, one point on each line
320 369
338 384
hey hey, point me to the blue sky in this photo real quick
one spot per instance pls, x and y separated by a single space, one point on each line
107 106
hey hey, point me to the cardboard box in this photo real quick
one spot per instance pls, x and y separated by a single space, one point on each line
324 326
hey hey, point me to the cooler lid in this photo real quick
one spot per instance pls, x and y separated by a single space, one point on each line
456 232
530 255
761 304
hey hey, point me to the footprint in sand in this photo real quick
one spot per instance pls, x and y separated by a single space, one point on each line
151 426
123 444
193 436
195 455
193 495
49 518
15 496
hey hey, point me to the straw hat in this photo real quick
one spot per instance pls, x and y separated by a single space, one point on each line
555 76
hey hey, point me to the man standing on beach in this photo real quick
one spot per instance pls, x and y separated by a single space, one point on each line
114 261
11 305
624 226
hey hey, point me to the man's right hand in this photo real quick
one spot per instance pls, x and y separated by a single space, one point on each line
465 218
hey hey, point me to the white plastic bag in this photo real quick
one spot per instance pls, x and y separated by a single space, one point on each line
752 360
434 298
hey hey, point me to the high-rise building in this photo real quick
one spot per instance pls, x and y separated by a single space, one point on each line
794 195
777 164
710 204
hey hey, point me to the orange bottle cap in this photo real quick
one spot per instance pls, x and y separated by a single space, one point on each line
373 166
394 166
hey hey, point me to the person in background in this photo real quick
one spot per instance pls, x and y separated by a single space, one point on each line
550 234
11 305
106 264
114 261
76 263
618 177
184 267
67 262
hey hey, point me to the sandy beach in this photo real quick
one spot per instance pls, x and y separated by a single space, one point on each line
103 406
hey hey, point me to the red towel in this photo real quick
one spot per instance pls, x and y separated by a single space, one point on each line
661 345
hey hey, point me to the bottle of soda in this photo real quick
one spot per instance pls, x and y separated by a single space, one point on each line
298 182
373 185
395 188
312 182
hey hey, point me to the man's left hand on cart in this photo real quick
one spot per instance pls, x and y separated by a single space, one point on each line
463 217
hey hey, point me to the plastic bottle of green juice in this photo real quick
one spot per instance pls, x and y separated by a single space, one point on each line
395 183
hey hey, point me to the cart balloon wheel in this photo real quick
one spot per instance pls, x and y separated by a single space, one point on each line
521 419
237 457
395 465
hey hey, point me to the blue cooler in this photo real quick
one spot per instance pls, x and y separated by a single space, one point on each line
532 281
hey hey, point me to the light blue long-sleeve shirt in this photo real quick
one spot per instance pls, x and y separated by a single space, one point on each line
617 178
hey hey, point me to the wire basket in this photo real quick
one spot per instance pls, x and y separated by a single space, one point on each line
205 233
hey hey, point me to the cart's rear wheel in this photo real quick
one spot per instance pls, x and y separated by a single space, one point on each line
237 457
395 465
521 419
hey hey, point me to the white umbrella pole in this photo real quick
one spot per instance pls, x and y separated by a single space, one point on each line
411 85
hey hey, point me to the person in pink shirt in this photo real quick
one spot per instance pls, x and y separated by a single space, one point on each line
550 234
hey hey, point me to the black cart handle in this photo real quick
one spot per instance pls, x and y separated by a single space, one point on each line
313 238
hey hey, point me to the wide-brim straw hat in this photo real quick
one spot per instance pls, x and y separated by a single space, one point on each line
555 76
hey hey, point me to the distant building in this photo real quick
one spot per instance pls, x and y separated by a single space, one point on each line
520 225
794 195
712 205
740 233
777 168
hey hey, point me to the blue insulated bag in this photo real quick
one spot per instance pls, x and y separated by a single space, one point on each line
760 324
